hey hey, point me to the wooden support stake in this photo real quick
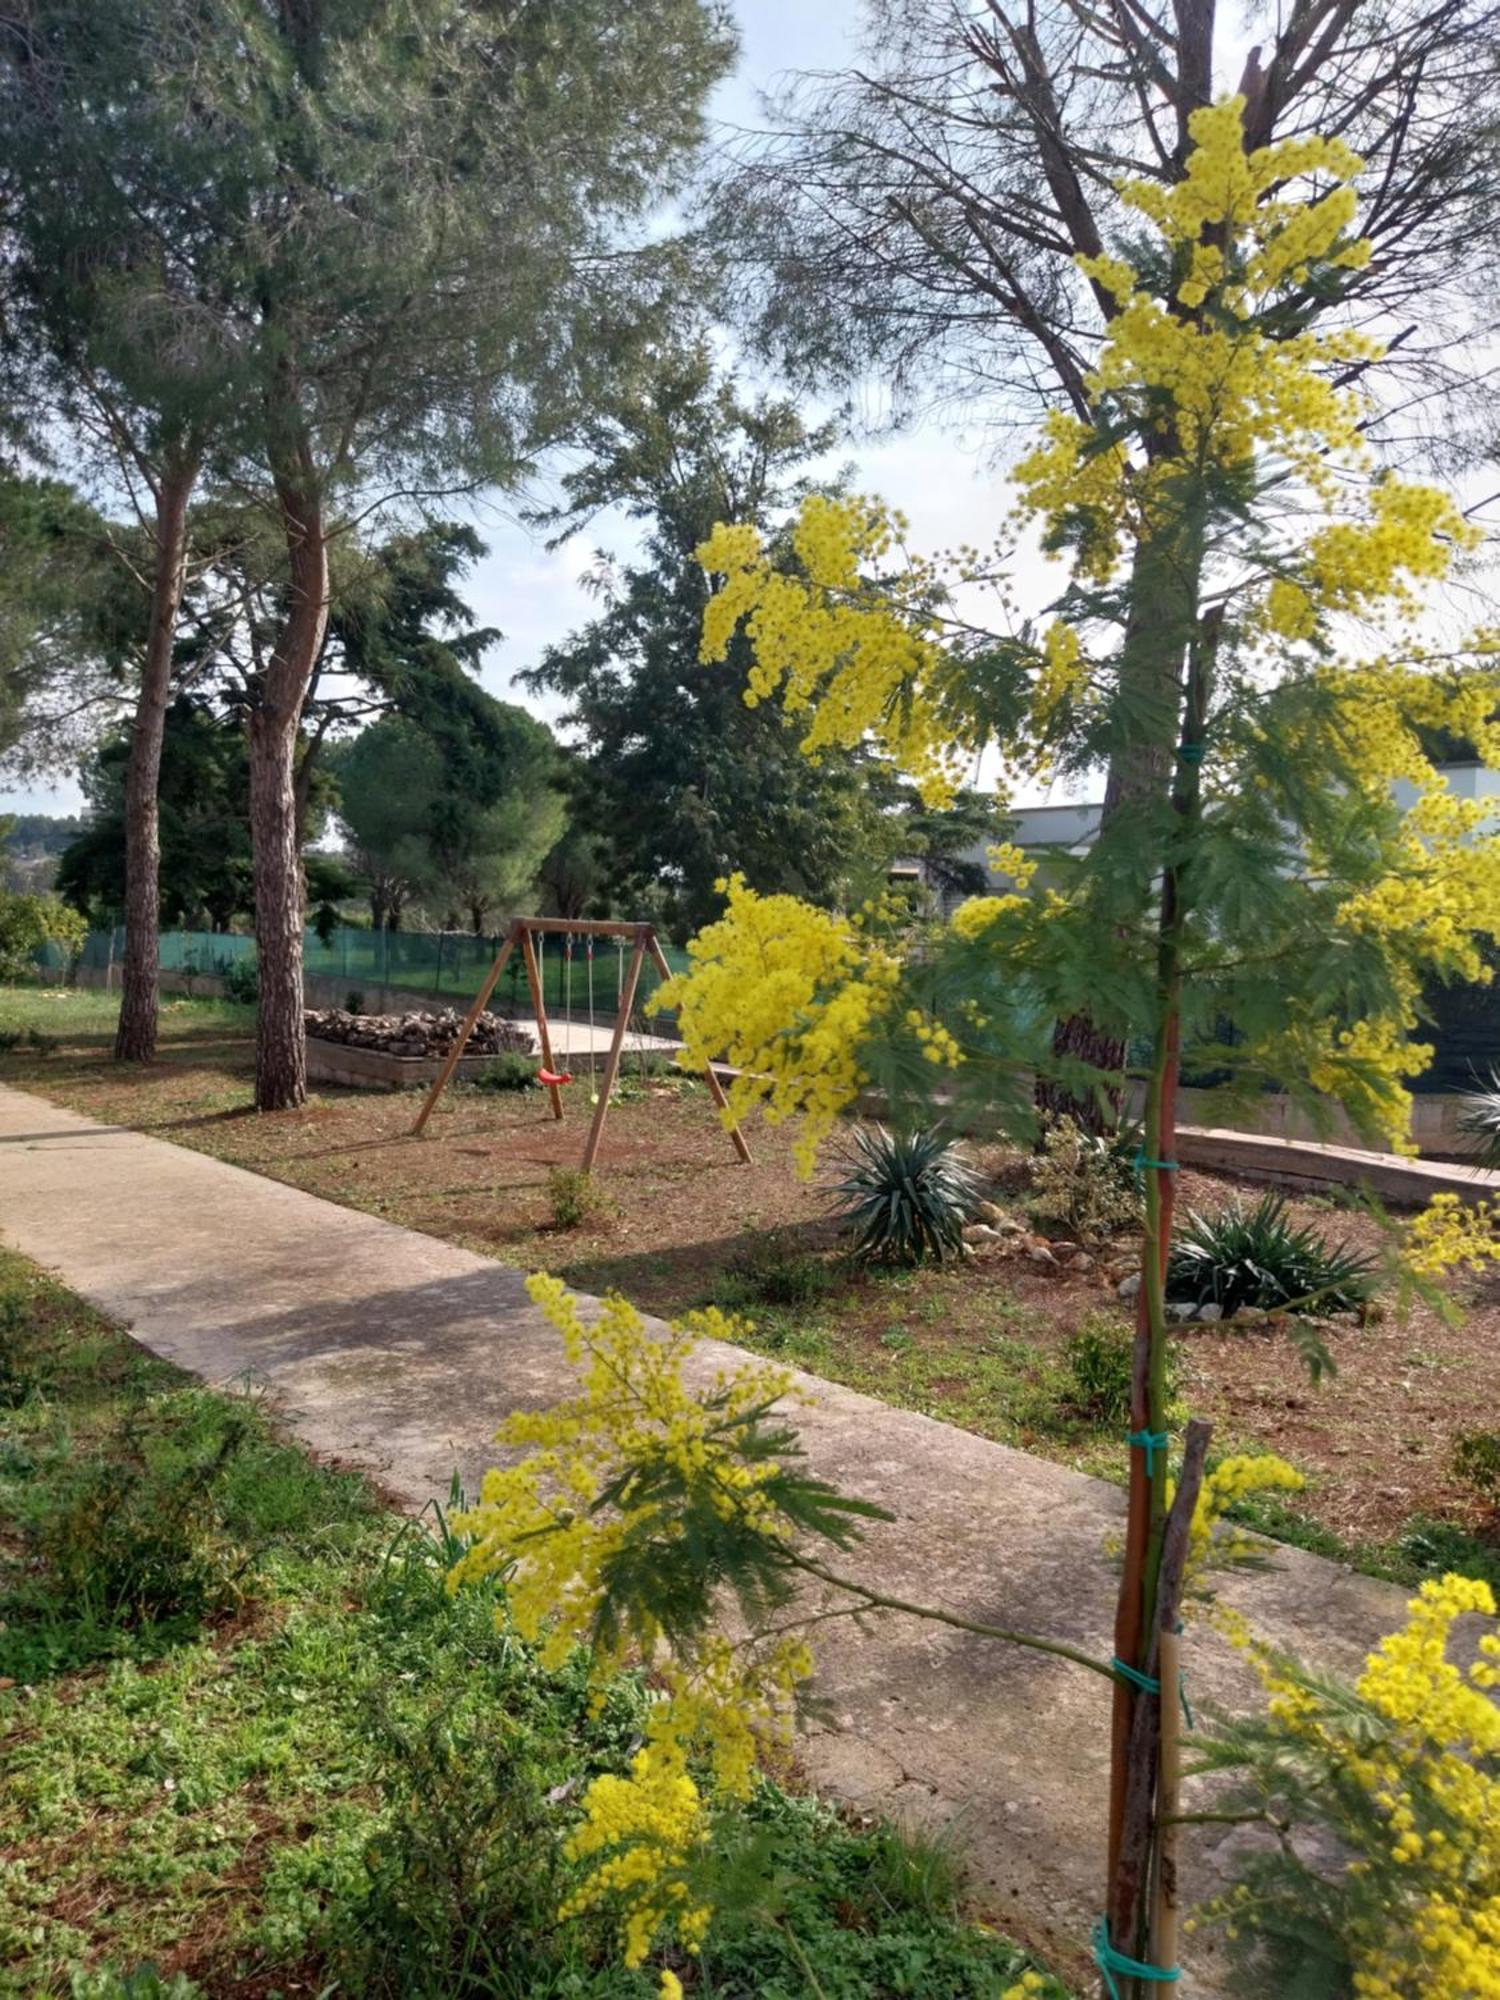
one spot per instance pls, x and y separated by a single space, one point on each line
481 1001
1165 1908
617 1042
716 1089
539 1004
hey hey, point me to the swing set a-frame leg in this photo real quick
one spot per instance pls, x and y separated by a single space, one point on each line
617 1042
716 1089
481 1001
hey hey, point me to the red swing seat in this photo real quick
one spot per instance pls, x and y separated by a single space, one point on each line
552 1078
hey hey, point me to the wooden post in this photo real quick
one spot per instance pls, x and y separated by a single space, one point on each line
617 1042
539 1003
716 1089
481 1001
1165 1911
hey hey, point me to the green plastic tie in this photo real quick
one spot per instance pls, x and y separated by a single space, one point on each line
1149 1684
1141 1162
1191 753
1110 1961
1150 1442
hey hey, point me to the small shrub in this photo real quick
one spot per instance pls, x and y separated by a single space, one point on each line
508 1071
461 1887
11 1039
1086 1182
354 1001
1476 1461
576 1197
1100 1361
772 1275
1259 1257
905 1196
42 1043
241 977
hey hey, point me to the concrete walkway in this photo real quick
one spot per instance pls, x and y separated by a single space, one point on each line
401 1353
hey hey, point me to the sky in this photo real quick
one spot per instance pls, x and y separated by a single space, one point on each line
533 595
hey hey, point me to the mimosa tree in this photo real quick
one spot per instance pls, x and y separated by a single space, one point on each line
1230 543
1261 894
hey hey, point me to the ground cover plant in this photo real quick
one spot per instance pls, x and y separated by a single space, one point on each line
327 1769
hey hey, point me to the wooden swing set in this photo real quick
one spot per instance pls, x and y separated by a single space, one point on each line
523 933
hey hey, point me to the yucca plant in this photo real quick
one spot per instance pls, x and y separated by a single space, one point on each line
904 1196
1260 1257
1479 1119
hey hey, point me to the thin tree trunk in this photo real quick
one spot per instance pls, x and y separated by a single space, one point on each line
1131 1844
135 1037
1163 599
280 1058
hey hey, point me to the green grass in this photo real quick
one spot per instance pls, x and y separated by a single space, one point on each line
82 1015
252 1744
1425 1547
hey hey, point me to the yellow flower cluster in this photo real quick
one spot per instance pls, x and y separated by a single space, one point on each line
537 1521
551 1520
975 916
1428 1850
1449 1235
1232 1479
642 1832
850 642
787 994
1212 381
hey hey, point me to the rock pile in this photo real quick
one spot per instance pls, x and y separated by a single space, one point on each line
416 1034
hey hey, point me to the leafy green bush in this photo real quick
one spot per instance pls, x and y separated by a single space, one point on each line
28 923
1100 1360
241 977
1476 1461
904 1196
354 1001
1085 1181
1260 1257
576 1197
509 1070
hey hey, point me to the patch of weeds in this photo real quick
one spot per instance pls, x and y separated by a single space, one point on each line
1099 1364
575 1197
508 1071
868 1911
773 1274
1476 1461
1432 1548
1426 1547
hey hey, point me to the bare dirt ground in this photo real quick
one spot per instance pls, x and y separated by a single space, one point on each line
684 1224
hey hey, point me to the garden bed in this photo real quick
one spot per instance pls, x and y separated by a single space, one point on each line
986 1345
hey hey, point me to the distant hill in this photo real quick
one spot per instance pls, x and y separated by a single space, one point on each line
30 844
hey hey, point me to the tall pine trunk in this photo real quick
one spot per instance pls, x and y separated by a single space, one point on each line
280 1057
135 1037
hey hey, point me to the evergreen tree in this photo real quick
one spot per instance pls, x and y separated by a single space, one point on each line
678 780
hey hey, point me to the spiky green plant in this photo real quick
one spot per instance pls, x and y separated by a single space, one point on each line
904 1196
1479 1119
1259 1256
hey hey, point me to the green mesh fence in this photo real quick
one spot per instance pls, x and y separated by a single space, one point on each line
446 966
